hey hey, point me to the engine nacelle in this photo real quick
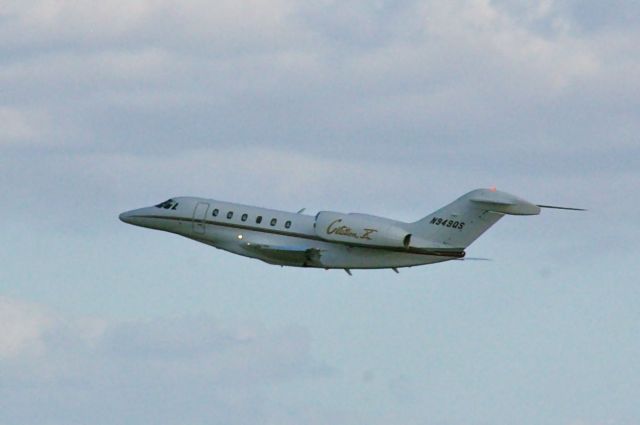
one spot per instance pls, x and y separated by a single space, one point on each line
361 229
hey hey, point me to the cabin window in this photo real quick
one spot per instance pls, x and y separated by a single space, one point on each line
244 217
230 214
215 212
273 221
259 219
287 224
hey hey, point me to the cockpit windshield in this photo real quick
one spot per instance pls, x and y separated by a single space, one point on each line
169 204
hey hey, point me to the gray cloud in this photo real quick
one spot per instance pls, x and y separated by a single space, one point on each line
61 370
314 76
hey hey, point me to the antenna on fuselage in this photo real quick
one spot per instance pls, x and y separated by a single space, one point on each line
561 208
301 210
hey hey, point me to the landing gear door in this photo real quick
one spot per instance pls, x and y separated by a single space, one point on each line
199 217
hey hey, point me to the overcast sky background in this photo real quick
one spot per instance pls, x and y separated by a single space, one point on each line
392 108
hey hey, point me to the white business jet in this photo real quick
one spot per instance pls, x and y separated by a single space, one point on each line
333 240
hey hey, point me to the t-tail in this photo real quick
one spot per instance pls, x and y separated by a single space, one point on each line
455 226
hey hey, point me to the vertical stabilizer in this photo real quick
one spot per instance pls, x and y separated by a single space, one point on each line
461 222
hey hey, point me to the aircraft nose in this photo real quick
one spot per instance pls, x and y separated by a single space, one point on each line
127 217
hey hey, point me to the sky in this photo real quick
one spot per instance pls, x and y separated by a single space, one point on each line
392 108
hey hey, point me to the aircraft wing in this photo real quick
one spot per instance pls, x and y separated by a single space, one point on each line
286 255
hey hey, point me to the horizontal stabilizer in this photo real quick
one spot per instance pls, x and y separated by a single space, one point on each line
504 203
